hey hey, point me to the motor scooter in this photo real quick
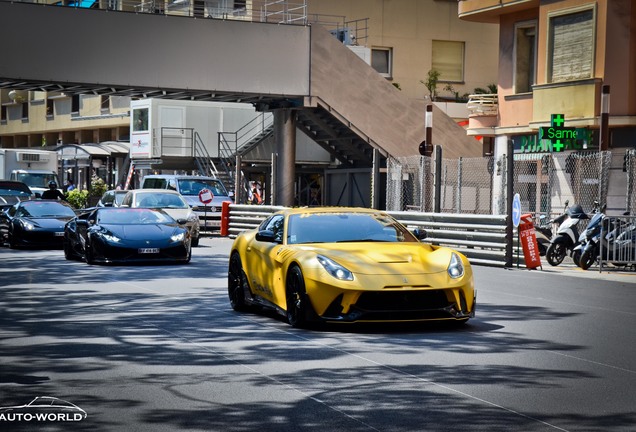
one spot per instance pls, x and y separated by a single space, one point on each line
567 235
543 232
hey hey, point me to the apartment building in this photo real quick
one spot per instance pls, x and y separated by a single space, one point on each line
567 70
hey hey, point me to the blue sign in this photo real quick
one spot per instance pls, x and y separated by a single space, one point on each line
516 210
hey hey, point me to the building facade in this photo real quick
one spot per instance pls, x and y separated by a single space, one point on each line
565 85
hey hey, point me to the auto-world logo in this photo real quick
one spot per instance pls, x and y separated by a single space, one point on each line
43 409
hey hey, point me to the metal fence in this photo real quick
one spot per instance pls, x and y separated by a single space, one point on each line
544 183
618 245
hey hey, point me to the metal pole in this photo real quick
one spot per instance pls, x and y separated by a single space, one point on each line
509 197
458 197
274 180
429 129
605 106
438 179
238 192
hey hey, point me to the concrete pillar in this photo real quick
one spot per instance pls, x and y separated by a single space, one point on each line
285 142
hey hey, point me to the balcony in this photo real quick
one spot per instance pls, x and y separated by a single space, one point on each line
483 114
488 11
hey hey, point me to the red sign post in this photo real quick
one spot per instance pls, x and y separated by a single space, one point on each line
205 196
529 242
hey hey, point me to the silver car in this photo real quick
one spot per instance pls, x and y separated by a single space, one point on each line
169 201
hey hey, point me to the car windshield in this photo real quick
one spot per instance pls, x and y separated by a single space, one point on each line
160 200
37 179
345 227
45 209
127 216
194 186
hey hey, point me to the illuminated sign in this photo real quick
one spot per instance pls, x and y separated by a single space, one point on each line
558 135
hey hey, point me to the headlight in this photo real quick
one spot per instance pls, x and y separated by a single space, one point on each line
111 238
27 225
177 237
335 269
455 268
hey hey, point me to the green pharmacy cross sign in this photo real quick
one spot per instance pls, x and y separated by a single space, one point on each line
560 137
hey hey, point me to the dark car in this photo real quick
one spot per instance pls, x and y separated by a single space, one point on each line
112 198
37 223
12 192
127 235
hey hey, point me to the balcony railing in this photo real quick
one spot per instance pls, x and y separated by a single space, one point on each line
483 104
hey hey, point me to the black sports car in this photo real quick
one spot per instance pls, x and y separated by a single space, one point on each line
37 223
126 235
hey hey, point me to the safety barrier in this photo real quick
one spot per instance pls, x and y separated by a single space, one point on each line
618 247
482 238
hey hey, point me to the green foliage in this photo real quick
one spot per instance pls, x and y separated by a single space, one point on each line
431 83
77 198
492 89
98 187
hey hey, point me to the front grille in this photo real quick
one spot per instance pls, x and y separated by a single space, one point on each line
402 301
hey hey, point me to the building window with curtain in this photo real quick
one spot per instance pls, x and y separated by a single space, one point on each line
381 59
571 46
448 60
525 56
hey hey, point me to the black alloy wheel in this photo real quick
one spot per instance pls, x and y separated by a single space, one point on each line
555 254
296 298
236 281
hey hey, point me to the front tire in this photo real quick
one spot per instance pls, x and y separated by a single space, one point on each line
576 257
296 298
88 254
555 254
588 257
236 283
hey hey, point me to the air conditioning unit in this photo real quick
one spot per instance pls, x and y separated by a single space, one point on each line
32 157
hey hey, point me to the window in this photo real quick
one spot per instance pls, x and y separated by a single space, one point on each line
25 110
525 56
50 108
381 61
571 46
140 119
448 60
75 104
104 103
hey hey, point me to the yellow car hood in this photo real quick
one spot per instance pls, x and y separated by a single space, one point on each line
386 258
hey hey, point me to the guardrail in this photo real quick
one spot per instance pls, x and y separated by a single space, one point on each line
482 238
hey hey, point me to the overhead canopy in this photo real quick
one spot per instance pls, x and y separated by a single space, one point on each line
92 150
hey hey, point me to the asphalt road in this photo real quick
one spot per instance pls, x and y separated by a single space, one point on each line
158 348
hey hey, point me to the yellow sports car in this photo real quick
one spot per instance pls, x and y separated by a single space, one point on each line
347 265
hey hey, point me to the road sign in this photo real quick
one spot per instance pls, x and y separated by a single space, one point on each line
205 196
516 210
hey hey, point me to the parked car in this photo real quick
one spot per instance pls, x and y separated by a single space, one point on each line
126 235
170 201
190 187
347 265
12 192
112 198
36 223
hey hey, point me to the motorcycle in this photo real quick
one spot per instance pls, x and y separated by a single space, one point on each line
617 242
567 235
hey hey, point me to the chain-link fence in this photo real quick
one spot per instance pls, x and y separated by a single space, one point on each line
544 183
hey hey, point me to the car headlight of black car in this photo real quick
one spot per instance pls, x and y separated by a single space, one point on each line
455 267
178 237
110 238
27 225
335 269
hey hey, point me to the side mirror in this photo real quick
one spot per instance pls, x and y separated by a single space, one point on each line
266 236
38 195
420 233
182 221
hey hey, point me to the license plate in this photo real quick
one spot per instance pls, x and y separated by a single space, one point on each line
148 250
59 234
